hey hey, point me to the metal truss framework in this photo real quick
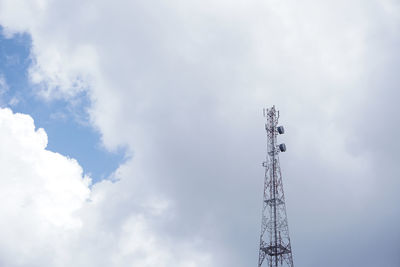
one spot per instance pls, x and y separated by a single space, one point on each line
275 249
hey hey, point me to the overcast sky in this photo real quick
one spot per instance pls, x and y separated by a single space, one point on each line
142 136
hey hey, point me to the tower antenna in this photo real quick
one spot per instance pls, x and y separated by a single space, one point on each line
275 248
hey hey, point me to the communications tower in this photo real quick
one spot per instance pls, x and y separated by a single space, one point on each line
275 248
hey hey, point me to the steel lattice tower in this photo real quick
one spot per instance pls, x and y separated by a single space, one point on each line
275 248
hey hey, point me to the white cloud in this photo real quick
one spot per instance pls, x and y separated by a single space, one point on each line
13 101
50 217
182 83
40 192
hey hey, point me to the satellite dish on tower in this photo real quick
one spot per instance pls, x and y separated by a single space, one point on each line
282 147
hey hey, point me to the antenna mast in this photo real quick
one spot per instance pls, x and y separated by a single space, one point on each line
275 248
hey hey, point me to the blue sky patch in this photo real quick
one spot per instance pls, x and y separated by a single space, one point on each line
67 127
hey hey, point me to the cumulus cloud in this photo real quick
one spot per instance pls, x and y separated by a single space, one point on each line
51 217
182 85
40 192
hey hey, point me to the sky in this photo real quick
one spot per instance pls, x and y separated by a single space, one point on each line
63 120
132 131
